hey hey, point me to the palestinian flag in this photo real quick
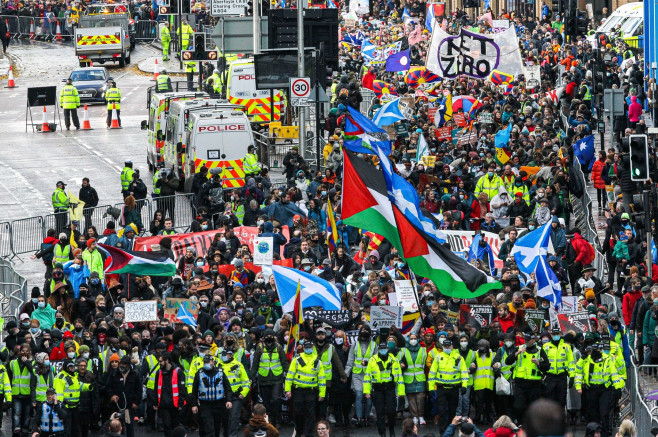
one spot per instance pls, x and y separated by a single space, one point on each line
366 205
138 263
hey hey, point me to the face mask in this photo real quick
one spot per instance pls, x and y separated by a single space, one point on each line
461 197
95 281
78 329
123 369
46 362
203 304
58 275
85 355
207 366
531 227
34 330
308 350
260 280
260 222
59 322
509 343
42 304
390 345
118 318
540 195
35 301
382 302
324 193
204 227
463 344
490 173
447 350
413 342
383 352
225 358
596 355
25 324
307 268
71 355
556 338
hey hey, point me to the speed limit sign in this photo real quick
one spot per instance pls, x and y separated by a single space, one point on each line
300 91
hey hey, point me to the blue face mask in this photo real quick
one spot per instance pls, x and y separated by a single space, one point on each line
207 366
383 352
95 281
490 173
204 227
42 304
308 350
34 330
447 350
531 227
225 358
556 338
35 301
324 193
46 362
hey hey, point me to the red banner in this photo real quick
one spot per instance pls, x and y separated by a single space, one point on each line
443 133
200 241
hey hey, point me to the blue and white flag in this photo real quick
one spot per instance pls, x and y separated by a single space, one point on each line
584 150
315 291
398 61
548 286
477 252
429 21
528 249
405 13
368 50
388 114
363 136
185 316
654 252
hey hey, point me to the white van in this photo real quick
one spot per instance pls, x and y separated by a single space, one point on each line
631 18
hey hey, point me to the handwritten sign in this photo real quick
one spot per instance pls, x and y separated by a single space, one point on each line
428 160
386 316
264 251
141 311
406 295
478 316
172 306
569 304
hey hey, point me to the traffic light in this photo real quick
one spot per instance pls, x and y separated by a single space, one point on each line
249 9
639 151
582 23
199 52
187 7
470 3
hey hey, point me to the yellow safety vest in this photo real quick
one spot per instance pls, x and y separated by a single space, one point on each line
165 35
113 97
68 388
126 177
61 255
60 199
359 366
69 98
415 370
20 379
448 370
484 374
383 371
306 371
560 357
270 362
237 377
525 368
161 83
325 359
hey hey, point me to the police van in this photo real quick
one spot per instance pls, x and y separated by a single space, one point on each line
158 106
210 133
259 105
630 18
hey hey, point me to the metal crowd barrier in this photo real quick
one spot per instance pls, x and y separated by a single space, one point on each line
26 235
39 28
145 213
5 240
180 208
641 381
96 216
12 23
13 291
146 30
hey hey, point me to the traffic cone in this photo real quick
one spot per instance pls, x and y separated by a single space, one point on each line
115 120
156 71
7 24
85 122
58 36
10 81
32 31
44 125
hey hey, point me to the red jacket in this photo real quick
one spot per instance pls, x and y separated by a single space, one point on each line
628 303
584 250
597 180
476 213
367 80
507 322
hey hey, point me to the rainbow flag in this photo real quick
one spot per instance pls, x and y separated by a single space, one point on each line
332 232
297 321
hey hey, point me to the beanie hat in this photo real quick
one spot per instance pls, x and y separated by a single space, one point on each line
90 241
114 357
35 292
83 348
589 293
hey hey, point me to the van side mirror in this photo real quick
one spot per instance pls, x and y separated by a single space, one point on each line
158 135
143 124
179 147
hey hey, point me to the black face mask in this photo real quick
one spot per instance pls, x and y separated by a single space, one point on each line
363 336
596 355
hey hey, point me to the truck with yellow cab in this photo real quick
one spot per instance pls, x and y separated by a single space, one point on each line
210 133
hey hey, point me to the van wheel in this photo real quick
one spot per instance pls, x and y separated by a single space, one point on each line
128 59
122 61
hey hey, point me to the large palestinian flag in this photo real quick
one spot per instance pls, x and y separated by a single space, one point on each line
138 263
366 205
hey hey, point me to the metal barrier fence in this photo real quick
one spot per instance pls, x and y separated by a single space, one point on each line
44 29
12 23
146 30
13 291
26 235
94 217
640 382
368 96
5 240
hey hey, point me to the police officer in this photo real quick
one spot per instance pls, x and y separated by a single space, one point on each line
163 82
239 382
165 39
530 363
268 367
329 358
211 397
23 384
504 402
250 163
113 98
149 370
357 361
70 101
190 71
562 367
306 385
50 419
126 177
60 202
68 388
449 377
156 176
216 81
383 379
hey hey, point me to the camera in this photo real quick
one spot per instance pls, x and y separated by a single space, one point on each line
120 416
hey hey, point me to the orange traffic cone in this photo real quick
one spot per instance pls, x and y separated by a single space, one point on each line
156 71
7 24
85 122
58 35
10 81
45 127
32 31
115 120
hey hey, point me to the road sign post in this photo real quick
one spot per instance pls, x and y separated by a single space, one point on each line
318 95
300 91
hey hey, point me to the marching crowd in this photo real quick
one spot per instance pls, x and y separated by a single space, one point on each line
73 366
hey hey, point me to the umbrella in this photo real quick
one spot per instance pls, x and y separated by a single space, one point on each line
419 76
465 103
380 88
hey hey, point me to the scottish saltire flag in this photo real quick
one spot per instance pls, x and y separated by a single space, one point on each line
477 252
584 149
398 61
368 50
363 136
185 316
315 291
331 5
548 286
297 322
388 114
528 249
405 13
332 231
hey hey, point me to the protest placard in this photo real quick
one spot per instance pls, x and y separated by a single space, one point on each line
443 133
406 295
478 316
569 304
577 321
172 305
535 319
141 311
330 317
263 251
386 316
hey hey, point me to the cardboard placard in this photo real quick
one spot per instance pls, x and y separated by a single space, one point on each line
406 295
386 316
263 251
172 305
478 316
443 133
459 119
569 304
428 160
431 112
141 311
535 319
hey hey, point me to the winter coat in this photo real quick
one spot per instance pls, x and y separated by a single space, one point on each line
628 303
597 176
621 251
583 249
